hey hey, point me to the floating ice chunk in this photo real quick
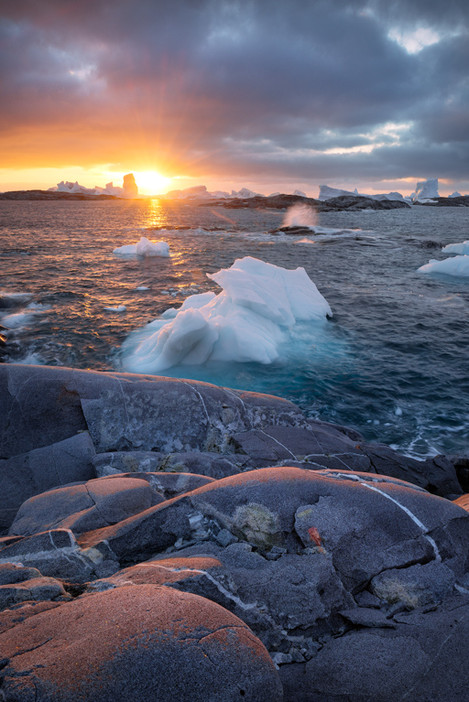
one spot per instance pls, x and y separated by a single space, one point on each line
118 308
459 248
144 247
142 287
248 321
458 266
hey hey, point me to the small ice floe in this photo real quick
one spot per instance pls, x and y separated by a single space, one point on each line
458 248
457 266
249 320
398 412
118 308
144 247
142 287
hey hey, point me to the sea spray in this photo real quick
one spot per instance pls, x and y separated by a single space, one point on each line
300 215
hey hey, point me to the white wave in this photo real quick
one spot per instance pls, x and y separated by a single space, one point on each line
459 248
457 266
259 306
144 247
17 320
30 359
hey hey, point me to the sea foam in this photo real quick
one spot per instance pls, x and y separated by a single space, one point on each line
248 321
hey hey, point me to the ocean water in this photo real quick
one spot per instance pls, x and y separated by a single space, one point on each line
392 362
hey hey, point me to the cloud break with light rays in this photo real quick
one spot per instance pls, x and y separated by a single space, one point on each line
370 93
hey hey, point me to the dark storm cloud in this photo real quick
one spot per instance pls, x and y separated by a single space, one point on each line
256 85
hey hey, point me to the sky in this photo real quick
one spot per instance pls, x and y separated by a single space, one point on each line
275 95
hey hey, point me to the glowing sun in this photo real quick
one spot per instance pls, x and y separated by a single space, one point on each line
150 182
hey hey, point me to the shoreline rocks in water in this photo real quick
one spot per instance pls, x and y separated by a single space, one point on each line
173 539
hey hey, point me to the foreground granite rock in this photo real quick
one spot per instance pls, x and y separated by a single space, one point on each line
136 644
59 426
171 539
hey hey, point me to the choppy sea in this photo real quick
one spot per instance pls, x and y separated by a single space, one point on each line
393 361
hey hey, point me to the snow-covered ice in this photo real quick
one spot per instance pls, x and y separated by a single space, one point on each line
249 320
458 248
144 247
456 265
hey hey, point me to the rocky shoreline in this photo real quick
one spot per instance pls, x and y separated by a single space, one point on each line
173 540
351 203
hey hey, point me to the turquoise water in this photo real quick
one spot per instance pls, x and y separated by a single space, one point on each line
393 361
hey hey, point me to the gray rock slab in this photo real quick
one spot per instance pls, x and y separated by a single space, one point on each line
415 586
114 462
14 573
90 505
213 465
36 409
437 475
40 588
28 474
274 443
137 643
419 661
55 553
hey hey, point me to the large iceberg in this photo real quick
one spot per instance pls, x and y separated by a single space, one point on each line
426 190
248 321
326 192
456 265
144 247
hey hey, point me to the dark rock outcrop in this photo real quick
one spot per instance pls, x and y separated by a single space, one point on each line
279 202
155 520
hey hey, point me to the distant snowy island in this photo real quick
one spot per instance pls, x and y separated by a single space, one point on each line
329 198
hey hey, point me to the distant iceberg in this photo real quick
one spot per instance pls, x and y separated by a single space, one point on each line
144 247
200 192
326 192
426 190
129 188
248 321
456 265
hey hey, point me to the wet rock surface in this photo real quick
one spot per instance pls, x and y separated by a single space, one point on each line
172 539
